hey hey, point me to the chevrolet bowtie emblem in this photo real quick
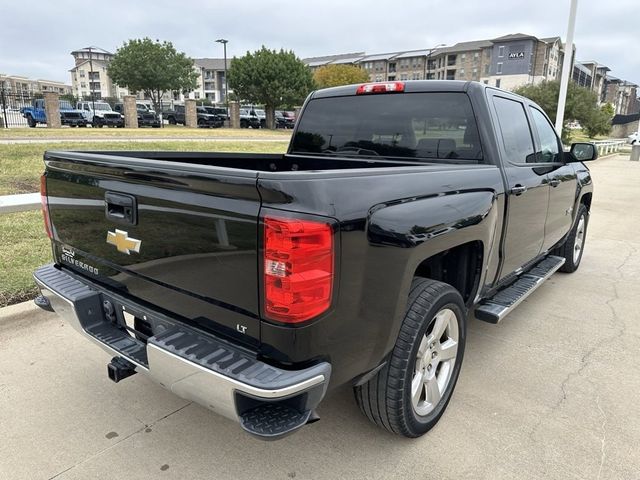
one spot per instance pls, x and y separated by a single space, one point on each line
123 242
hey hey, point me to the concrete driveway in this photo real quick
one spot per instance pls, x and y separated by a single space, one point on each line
553 392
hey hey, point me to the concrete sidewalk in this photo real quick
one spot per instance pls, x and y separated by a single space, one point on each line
551 393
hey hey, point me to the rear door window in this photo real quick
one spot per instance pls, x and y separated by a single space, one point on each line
515 130
432 126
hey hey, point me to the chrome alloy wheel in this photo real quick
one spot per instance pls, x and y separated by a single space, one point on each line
579 241
434 362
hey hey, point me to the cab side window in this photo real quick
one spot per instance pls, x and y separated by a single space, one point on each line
549 149
514 127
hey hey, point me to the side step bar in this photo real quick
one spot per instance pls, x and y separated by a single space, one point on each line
494 309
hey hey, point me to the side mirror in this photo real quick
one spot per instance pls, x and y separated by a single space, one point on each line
583 152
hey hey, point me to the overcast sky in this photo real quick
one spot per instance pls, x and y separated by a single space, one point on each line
36 37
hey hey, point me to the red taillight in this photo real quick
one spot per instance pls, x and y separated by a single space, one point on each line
385 87
45 205
298 268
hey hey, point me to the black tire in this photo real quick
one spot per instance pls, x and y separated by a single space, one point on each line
31 122
243 124
97 123
567 249
171 120
386 398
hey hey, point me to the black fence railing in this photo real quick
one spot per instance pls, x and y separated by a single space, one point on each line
11 107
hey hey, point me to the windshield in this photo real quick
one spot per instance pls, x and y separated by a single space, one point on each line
103 106
260 113
65 105
408 125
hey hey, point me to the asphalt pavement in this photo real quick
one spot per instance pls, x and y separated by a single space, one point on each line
551 393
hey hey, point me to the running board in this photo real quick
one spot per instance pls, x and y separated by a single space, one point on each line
494 309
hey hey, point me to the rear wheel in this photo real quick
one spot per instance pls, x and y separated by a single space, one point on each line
411 392
573 247
171 120
30 121
97 122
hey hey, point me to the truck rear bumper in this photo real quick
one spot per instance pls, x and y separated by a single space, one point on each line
267 401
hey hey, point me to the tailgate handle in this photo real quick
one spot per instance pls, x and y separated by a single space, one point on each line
121 208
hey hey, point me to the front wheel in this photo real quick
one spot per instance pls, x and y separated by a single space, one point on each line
573 247
411 392
31 122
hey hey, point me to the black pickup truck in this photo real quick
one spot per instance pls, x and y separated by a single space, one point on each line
253 283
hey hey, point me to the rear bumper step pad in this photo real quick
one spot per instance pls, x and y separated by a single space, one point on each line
268 401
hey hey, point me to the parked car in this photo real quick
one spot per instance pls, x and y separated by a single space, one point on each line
219 111
68 115
205 119
249 118
283 121
253 283
146 116
100 114
634 138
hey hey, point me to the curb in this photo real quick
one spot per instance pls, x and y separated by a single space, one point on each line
19 311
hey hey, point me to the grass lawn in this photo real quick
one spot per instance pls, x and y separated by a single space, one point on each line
23 247
23 242
21 164
169 131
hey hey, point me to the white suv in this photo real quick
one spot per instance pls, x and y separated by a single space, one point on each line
634 139
99 114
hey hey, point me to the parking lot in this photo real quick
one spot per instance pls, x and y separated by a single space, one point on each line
552 392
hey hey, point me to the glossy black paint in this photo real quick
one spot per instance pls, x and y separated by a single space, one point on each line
389 217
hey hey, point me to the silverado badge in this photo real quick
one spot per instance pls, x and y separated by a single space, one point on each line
123 242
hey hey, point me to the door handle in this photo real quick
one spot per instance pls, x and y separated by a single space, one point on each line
554 182
121 208
518 189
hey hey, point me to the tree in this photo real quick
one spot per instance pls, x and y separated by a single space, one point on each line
153 68
336 75
581 105
271 78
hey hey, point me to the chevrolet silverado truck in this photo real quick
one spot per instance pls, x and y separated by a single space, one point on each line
36 114
254 283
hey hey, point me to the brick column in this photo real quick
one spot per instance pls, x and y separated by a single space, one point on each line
52 109
190 113
234 114
130 111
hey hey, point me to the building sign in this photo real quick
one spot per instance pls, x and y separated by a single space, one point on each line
516 55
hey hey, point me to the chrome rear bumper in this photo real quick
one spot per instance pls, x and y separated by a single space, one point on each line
198 367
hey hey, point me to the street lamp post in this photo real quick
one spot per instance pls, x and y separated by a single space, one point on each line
226 82
93 100
431 50
566 67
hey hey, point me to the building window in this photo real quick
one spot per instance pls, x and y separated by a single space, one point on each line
463 56
499 68
392 67
404 76
486 69
431 65
451 74
498 83
81 73
430 76
461 72
451 60
391 78
416 76
501 51
476 55
378 78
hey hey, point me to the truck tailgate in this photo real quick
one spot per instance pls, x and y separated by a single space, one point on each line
196 227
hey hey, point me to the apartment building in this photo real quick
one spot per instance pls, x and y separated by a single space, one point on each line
18 84
89 77
506 62
211 81
623 95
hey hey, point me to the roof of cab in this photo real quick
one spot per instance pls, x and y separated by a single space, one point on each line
410 86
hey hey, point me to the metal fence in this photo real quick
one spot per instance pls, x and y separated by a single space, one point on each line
11 104
608 147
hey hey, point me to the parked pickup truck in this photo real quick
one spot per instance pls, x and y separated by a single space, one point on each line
253 283
146 116
204 118
36 114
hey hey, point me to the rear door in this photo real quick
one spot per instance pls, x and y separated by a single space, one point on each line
562 180
179 237
528 188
